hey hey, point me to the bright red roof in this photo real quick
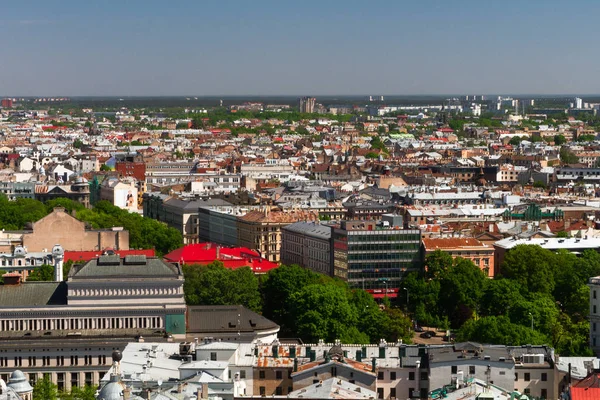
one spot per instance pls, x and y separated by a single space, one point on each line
584 393
76 256
231 257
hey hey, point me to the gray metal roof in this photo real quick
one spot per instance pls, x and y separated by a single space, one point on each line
33 294
310 228
128 267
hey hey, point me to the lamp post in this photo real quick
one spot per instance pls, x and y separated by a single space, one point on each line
531 315
385 281
406 297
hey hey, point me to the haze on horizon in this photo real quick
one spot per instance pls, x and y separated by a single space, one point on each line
157 48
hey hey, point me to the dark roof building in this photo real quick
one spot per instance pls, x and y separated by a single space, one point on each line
234 323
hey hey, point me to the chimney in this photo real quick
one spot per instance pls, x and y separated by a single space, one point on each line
204 391
13 278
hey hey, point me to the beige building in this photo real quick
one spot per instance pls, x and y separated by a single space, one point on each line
72 234
261 230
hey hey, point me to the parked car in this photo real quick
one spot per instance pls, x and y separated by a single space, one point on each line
418 329
426 335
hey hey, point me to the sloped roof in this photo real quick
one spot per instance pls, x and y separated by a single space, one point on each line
224 319
231 257
33 294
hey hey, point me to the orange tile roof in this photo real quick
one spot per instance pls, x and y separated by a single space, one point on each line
453 243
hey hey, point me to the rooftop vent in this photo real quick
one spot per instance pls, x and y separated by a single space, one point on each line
135 260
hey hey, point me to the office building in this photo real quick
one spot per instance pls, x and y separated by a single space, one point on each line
376 255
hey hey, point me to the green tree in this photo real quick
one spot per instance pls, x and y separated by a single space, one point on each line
44 273
567 156
539 184
44 389
531 266
88 392
437 263
559 140
515 140
324 312
216 285
461 287
499 330
499 296
278 288
105 167
77 143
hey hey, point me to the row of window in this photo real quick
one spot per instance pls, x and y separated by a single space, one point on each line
32 361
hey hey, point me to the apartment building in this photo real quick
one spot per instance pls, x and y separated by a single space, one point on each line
261 230
309 245
472 249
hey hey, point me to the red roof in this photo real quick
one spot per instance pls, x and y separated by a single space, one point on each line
583 393
231 257
90 255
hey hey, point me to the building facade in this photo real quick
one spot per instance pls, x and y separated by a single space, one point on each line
376 255
309 245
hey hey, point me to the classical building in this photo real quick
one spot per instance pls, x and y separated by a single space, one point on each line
309 245
68 328
472 249
261 230
79 191
72 234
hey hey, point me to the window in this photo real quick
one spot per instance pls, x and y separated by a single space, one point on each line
594 309
527 376
393 392
380 393
594 294
261 374
424 376
410 392
380 375
262 390
516 376
471 370
242 374
527 391
290 389
213 356
454 369
544 377
544 393
278 375
278 391
411 376
393 375
594 327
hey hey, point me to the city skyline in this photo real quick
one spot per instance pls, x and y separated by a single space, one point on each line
269 48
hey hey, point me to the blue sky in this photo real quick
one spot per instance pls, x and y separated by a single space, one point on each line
207 47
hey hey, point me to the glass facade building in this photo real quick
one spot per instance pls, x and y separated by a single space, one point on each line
375 256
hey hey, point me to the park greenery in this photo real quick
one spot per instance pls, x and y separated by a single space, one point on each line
44 389
144 233
536 287
305 304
